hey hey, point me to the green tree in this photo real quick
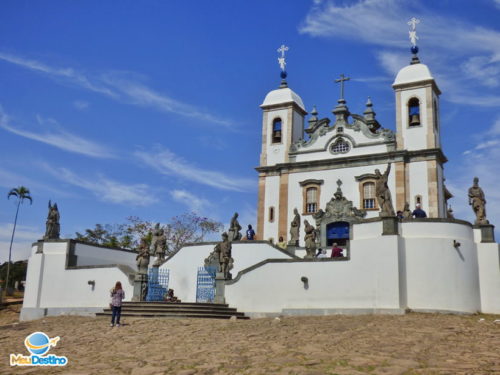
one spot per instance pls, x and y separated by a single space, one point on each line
21 193
182 229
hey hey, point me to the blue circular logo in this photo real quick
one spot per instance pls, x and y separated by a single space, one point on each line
37 343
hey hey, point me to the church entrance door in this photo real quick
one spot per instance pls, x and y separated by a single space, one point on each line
337 232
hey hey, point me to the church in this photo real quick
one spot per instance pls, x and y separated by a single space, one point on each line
302 165
346 181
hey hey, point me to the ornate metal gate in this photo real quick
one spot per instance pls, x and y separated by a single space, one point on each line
157 284
205 285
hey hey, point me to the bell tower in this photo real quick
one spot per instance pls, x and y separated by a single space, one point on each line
282 125
420 180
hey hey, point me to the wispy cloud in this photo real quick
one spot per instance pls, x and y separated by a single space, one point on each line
69 75
192 201
382 23
168 163
53 134
106 189
478 162
81 104
119 87
25 236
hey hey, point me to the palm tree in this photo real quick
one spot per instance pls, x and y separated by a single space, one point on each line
21 193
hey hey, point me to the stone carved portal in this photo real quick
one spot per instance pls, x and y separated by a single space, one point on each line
339 213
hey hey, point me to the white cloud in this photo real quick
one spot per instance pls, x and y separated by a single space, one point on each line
81 104
478 162
119 88
105 189
67 74
497 3
21 247
56 136
448 42
168 163
192 201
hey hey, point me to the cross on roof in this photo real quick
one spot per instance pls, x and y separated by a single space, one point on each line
281 60
342 79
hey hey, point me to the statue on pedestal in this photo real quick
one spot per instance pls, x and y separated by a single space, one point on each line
295 229
478 202
310 240
52 226
143 257
220 257
383 193
407 211
158 245
234 229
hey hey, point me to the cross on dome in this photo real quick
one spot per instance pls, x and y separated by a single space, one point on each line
281 59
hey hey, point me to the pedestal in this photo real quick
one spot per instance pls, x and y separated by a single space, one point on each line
220 286
390 226
140 287
487 232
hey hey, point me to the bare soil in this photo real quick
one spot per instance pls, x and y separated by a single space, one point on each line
369 344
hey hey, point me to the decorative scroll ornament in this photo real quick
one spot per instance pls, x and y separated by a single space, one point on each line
339 209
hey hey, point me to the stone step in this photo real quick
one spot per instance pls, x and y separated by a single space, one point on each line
177 310
163 303
173 315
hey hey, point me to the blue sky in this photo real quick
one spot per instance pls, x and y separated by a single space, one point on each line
151 109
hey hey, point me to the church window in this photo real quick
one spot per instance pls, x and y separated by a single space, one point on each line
418 199
271 214
435 114
340 146
311 200
369 195
414 112
276 136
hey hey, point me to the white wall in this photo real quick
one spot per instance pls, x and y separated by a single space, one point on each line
276 151
488 255
88 255
368 281
271 199
418 184
439 276
184 264
50 285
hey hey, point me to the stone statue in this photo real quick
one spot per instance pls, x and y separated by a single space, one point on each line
52 226
223 250
383 193
310 239
143 257
478 202
295 229
407 211
234 229
158 245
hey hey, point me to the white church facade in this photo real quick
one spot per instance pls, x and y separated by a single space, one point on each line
303 174
327 172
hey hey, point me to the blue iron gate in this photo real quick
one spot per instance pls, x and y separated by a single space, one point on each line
205 284
157 284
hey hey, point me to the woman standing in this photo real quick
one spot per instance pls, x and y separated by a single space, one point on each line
117 295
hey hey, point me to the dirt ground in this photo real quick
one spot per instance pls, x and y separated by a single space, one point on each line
368 344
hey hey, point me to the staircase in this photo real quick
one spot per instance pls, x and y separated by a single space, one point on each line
176 310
